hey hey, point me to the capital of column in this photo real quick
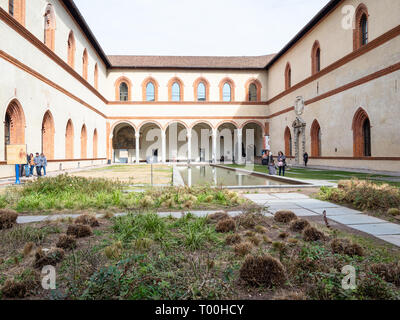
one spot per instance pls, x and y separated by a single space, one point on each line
137 135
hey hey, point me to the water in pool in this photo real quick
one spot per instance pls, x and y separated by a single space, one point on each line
200 175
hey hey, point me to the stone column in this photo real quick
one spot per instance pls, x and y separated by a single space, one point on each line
164 146
239 158
189 137
214 145
137 148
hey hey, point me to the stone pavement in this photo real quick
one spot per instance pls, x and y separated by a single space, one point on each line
304 206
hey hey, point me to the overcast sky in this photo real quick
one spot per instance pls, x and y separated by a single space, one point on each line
200 28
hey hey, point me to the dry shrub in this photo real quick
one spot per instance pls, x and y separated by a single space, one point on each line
114 251
51 257
146 202
66 242
79 231
261 229
299 225
344 246
8 218
365 194
209 198
13 289
354 249
284 216
218 216
87 219
244 248
267 239
249 220
389 272
188 204
226 225
233 239
249 234
263 271
313 234
255 240
393 212
293 241
283 235
28 248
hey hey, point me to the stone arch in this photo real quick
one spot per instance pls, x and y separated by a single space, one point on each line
144 85
361 11
181 88
288 76
221 88
288 142
95 144
196 85
71 49
149 122
48 131
235 124
69 140
361 134
258 85
316 58
14 124
315 139
49 27
117 85
200 122
121 122
253 121
176 121
84 142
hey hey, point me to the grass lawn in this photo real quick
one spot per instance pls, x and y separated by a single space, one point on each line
68 194
143 256
329 175
131 174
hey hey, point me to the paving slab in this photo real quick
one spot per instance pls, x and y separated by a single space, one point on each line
393 239
259 196
340 211
315 204
290 196
357 219
300 212
379 229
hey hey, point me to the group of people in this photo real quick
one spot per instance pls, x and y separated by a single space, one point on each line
268 160
39 162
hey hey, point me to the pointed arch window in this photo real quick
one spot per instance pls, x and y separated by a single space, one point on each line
71 50
123 92
361 31
150 92
16 9
288 142
176 92
201 92
362 134
49 27
315 139
96 76
85 64
227 92
288 77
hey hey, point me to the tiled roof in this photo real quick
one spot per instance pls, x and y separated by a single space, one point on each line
190 62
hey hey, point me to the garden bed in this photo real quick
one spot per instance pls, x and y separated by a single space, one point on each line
143 256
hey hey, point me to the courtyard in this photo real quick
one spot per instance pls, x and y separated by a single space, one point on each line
111 235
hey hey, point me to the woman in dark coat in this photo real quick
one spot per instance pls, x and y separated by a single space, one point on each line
281 163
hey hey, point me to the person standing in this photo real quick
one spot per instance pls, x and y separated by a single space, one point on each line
37 165
43 163
31 164
26 166
281 163
271 168
305 157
